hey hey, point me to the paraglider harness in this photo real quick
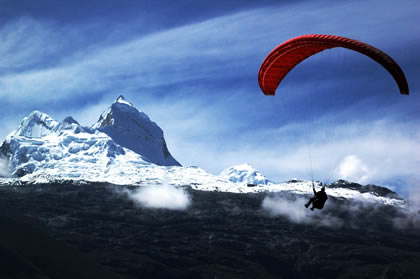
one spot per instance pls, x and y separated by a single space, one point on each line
319 198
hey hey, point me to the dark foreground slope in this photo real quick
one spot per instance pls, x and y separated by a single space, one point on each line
27 251
221 235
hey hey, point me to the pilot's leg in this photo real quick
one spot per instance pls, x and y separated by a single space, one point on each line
309 202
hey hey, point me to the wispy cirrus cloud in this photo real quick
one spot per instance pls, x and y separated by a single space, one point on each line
193 52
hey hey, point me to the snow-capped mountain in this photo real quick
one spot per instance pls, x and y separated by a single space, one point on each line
125 147
41 145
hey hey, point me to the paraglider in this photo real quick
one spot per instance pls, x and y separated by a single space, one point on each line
319 198
287 55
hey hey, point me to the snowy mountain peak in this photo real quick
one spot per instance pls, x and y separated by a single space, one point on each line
70 120
122 100
35 125
118 113
133 129
244 174
69 123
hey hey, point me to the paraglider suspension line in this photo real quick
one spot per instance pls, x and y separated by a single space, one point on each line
310 163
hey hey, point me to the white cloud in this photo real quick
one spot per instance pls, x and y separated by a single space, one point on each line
410 218
353 169
160 196
295 211
291 209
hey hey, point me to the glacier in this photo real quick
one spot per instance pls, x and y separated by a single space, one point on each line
125 147
245 173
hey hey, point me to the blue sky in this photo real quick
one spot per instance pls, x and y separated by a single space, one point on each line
192 67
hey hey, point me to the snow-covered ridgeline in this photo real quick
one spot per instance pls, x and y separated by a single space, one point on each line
303 187
143 174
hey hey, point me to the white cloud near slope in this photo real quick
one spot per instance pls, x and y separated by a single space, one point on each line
160 196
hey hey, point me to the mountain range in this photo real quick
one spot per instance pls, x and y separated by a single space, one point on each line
126 147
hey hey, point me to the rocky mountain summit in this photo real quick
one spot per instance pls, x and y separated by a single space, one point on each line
133 129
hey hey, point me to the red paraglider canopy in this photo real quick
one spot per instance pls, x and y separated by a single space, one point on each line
286 56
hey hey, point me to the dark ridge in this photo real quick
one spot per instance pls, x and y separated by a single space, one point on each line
27 251
221 235
374 189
